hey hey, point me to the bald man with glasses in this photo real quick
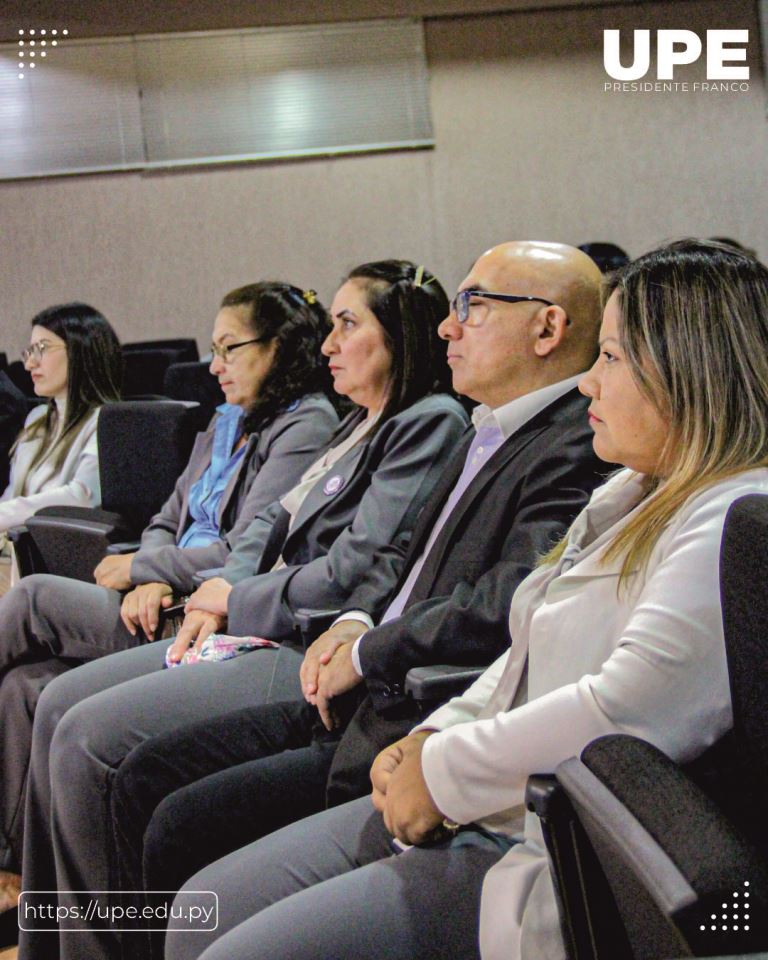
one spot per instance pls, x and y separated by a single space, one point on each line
521 330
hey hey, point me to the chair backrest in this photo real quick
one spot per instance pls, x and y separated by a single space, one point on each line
13 412
687 883
608 256
21 378
143 447
144 371
744 596
185 348
193 381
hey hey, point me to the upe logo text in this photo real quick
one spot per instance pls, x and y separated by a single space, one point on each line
677 48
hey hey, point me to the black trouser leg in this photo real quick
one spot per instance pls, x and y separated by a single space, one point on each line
182 800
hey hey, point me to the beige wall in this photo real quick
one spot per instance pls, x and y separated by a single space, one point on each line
528 145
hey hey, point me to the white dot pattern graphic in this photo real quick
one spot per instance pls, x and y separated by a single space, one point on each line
736 906
35 31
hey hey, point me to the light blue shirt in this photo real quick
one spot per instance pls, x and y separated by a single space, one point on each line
206 493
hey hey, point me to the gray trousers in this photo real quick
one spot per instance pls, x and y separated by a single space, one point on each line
87 721
329 888
20 689
47 625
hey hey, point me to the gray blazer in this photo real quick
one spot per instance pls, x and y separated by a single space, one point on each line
370 496
274 460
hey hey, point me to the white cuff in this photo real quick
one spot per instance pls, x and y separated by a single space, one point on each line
362 617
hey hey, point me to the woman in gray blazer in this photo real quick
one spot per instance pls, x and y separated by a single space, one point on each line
307 549
266 342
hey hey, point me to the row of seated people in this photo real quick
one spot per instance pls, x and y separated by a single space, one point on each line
168 368
437 549
179 376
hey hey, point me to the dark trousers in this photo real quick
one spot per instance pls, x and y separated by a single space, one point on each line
185 799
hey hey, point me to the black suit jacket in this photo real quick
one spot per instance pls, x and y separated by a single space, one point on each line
520 503
515 509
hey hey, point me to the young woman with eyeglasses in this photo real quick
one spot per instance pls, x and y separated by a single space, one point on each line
74 360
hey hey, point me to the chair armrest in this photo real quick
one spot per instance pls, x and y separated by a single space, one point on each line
28 558
589 918
312 622
439 682
543 795
72 540
173 614
129 546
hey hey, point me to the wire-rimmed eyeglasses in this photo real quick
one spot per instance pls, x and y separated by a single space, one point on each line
38 350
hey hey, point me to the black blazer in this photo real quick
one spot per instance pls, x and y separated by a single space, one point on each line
372 495
520 503
515 509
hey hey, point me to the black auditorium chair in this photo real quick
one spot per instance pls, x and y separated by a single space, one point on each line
685 878
144 373
143 447
21 378
145 363
13 412
648 856
185 348
608 256
193 381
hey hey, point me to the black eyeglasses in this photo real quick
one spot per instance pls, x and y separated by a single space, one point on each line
461 302
224 351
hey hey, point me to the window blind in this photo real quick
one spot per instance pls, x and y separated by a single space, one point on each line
223 96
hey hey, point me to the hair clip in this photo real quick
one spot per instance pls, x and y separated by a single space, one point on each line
310 296
419 276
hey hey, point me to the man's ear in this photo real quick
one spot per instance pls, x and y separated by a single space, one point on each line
551 324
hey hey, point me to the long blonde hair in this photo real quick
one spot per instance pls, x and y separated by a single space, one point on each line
694 329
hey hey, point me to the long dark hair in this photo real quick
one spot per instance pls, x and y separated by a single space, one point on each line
409 303
94 371
298 322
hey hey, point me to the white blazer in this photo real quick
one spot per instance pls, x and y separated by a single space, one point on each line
585 662
75 484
